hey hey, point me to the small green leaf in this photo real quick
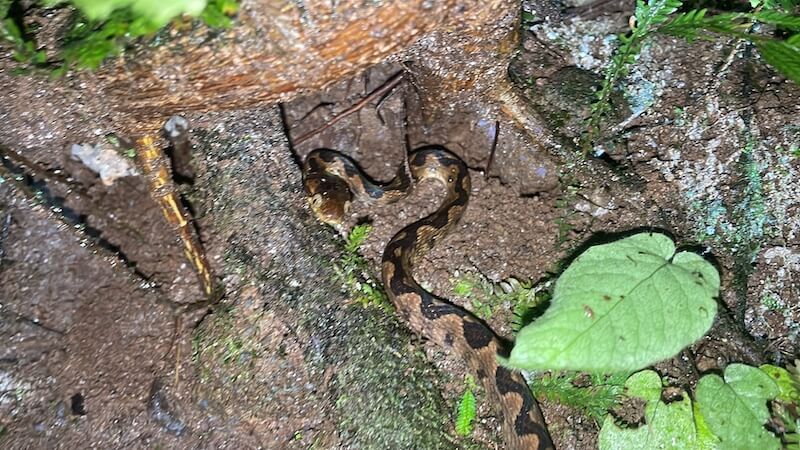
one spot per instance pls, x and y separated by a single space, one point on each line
5 6
141 27
20 57
528 17
214 18
463 287
735 408
216 13
10 31
620 307
667 426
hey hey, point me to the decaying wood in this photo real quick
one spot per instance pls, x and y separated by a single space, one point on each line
281 48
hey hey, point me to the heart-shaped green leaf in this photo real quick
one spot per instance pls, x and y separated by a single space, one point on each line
621 307
735 408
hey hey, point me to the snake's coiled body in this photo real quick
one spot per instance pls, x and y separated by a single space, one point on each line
451 327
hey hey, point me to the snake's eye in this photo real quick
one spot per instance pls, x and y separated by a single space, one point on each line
315 201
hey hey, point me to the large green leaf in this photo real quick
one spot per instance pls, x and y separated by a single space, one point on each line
735 408
621 307
667 426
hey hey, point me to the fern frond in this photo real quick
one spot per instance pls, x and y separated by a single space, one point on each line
594 399
655 13
659 16
783 56
466 413
648 15
779 19
688 25
693 18
357 237
775 5
685 25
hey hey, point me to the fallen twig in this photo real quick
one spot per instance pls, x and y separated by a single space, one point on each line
390 84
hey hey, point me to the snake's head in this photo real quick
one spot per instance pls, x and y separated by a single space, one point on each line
329 198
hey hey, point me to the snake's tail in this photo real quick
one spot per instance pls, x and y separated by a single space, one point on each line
523 423
456 329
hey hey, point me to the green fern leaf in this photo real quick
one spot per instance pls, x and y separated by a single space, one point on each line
783 56
466 413
777 18
642 9
685 25
357 237
787 5
655 13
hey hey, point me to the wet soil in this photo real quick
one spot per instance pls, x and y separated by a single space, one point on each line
111 342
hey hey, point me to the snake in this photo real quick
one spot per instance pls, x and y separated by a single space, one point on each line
333 182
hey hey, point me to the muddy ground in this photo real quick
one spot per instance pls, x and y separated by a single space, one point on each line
109 341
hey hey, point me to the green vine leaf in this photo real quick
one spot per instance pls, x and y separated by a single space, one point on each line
621 307
735 408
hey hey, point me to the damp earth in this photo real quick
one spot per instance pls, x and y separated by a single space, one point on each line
109 340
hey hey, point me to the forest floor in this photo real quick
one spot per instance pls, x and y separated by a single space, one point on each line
109 342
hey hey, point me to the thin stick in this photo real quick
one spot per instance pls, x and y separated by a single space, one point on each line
321 105
157 171
390 84
380 104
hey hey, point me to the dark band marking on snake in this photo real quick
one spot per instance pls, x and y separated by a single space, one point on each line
332 181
